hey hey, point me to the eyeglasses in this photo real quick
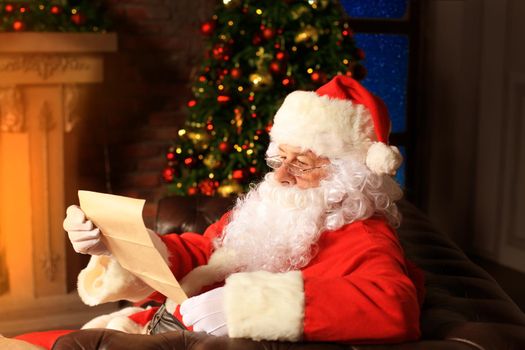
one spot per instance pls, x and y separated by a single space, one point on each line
275 162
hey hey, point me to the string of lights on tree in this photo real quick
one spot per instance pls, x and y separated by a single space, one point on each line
53 16
258 52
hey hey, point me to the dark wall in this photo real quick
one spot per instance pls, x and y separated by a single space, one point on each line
121 148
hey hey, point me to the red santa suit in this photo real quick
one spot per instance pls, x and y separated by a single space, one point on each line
356 289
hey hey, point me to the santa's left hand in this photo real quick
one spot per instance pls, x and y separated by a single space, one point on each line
205 312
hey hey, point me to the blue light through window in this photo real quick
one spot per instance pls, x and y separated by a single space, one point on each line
375 8
386 63
401 172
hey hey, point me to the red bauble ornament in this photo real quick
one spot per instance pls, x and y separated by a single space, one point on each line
277 67
239 174
268 33
210 126
221 52
192 103
236 73
170 156
223 98
190 162
207 28
253 170
168 174
224 147
318 77
193 191
9 8
346 32
281 55
18 26
23 9
55 10
288 82
208 187
269 127
78 19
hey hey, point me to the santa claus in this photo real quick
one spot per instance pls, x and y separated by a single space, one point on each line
309 253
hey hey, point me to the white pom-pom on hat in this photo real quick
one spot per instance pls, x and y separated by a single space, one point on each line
383 159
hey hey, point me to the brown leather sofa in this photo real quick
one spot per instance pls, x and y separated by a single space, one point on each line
464 308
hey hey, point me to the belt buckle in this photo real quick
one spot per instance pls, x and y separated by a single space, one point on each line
156 319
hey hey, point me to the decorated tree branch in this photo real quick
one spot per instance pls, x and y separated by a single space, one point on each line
53 16
257 53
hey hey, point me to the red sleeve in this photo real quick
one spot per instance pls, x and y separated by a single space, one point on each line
357 288
189 250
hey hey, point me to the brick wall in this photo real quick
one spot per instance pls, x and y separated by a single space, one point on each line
141 103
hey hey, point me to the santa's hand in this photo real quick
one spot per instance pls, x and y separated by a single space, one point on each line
205 312
84 236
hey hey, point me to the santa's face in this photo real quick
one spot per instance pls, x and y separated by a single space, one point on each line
303 169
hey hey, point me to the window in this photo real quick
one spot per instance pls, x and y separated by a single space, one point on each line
387 32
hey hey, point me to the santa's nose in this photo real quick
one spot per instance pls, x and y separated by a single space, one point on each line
283 176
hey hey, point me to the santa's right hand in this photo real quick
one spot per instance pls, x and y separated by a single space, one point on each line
84 236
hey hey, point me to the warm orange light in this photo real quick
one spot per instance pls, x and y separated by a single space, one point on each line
18 25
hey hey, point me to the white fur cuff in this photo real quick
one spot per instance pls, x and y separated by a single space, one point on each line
265 306
117 320
104 280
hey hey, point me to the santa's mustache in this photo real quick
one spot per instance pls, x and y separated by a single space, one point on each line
274 227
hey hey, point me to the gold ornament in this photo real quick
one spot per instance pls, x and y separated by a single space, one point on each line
211 162
298 11
228 188
238 111
200 139
261 80
308 36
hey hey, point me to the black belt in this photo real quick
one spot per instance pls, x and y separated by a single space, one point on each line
163 322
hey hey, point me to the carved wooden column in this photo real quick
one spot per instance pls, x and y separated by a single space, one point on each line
40 79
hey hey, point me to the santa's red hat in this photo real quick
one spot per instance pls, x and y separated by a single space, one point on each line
340 119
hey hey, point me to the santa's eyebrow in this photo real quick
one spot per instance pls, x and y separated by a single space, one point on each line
303 154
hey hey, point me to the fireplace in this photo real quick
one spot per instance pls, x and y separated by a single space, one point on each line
44 79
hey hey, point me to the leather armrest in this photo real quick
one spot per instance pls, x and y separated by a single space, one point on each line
178 214
104 339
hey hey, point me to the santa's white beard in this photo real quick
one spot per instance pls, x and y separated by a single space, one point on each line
275 227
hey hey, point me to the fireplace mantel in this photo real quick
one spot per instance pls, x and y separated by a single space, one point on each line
42 76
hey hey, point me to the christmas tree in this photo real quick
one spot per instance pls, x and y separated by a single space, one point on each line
53 16
258 52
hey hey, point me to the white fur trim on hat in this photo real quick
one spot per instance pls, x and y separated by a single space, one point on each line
383 159
104 280
265 306
329 127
